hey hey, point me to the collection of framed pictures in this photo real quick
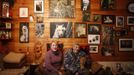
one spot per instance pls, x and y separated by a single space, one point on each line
95 33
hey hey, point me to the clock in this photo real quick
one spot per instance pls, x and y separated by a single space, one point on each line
130 7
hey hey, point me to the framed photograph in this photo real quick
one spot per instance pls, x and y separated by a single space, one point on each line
23 12
93 48
93 28
8 25
39 18
61 8
80 30
131 28
108 19
85 5
108 36
24 32
107 4
5 9
130 20
39 30
86 16
93 39
119 21
61 29
38 6
96 18
126 44
130 7
107 50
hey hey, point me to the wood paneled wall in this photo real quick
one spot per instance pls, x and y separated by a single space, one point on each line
15 45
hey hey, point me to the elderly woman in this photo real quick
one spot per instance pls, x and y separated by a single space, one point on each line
75 61
53 60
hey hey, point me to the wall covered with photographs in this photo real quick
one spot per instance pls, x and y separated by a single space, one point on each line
106 26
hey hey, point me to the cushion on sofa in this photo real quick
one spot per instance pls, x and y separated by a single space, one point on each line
13 57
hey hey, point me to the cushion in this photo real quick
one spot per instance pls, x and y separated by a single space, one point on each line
95 67
13 57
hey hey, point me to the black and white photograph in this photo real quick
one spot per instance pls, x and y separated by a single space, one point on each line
61 29
119 21
108 19
126 44
38 6
39 30
85 5
93 39
108 35
80 30
93 48
130 20
107 4
61 8
94 28
24 32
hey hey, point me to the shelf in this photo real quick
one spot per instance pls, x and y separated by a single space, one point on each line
5 39
5 29
5 18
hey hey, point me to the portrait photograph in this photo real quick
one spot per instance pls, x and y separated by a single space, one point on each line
108 19
94 28
126 44
119 21
39 30
61 29
80 30
131 28
93 48
61 8
38 6
130 20
24 32
93 39
107 4
85 5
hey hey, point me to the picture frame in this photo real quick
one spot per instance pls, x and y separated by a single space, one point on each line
40 30
126 44
93 28
107 50
24 32
130 20
93 48
8 25
119 21
5 9
96 18
86 16
61 8
85 5
60 29
107 4
38 6
108 19
130 7
80 30
39 18
131 28
93 39
23 12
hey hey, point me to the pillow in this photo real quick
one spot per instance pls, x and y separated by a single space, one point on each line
13 57
95 67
